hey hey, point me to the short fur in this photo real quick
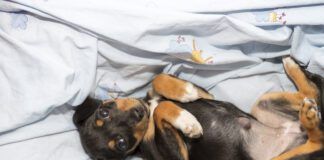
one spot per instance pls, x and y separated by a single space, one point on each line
228 133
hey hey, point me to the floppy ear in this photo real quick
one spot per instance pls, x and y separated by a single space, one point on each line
85 110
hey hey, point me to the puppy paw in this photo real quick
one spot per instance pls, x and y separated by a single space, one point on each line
309 114
289 63
189 125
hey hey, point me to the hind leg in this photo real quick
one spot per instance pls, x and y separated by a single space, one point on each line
305 87
309 119
269 108
290 102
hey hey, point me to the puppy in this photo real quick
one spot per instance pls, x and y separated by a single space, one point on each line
114 129
178 120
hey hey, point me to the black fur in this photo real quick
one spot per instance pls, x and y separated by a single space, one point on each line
85 110
167 144
223 141
280 107
95 139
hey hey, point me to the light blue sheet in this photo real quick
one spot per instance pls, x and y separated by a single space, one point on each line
53 53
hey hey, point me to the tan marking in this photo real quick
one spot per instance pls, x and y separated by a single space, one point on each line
166 111
308 118
99 123
169 87
295 99
111 144
174 88
141 129
125 104
150 132
310 121
305 87
306 148
149 135
182 146
264 115
139 132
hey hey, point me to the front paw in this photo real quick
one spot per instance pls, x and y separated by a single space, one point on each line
189 125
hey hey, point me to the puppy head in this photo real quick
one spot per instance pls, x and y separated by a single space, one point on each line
113 129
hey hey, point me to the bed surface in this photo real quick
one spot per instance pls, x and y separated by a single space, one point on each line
54 53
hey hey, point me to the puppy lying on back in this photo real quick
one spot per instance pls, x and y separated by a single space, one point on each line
179 120
114 129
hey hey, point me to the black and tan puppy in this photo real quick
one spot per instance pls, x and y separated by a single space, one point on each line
163 125
114 129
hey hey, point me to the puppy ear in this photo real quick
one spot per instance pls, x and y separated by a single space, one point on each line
85 110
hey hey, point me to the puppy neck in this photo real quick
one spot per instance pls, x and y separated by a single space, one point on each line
152 100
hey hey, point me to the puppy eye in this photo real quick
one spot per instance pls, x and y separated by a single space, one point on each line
121 144
103 113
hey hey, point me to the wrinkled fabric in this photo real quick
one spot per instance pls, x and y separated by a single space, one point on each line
55 53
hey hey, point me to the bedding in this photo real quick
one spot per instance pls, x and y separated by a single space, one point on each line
53 53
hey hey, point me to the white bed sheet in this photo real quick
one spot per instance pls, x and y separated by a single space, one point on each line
54 53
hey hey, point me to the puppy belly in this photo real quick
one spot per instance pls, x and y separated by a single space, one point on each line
266 113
